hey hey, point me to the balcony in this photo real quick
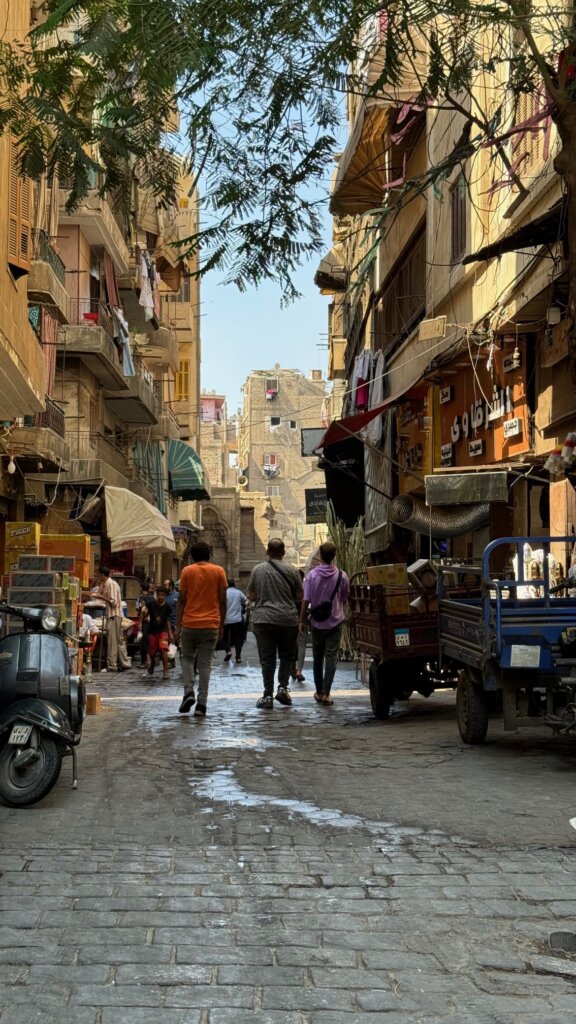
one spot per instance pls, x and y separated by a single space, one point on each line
89 336
103 462
46 280
101 224
160 348
40 444
142 483
167 427
139 402
337 359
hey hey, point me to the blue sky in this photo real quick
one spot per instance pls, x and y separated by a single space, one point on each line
248 331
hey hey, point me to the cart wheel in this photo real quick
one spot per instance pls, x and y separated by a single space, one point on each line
381 697
471 709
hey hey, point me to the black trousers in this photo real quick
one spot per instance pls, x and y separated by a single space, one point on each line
234 637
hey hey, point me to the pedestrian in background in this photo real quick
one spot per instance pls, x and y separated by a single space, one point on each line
301 642
234 622
117 659
200 614
326 591
171 600
275 590
146 598
160 633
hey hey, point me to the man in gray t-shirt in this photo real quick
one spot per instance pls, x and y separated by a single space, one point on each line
275 590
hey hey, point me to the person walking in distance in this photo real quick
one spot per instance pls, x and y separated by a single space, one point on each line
108 590
200 614
234 622
144 601
275 590
160 633
326 591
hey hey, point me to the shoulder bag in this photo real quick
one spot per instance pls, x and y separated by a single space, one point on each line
323 610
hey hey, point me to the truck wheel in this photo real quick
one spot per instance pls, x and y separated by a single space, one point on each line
381 697
471 709
20 787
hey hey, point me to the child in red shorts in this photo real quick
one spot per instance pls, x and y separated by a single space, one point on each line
160 634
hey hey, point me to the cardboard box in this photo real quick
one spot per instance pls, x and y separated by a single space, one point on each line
76 545
82 570
35 580
33 563
25 597
62 563
425 605
22 536
93 703
423 575
11 562
394 575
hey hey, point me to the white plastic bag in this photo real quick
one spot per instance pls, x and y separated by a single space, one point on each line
172 652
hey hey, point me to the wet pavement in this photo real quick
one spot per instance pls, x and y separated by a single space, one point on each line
305 865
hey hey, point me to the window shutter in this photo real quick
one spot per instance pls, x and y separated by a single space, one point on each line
19 215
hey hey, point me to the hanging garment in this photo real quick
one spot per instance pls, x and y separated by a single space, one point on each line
122 337
360 378
145 298
110 278
374 428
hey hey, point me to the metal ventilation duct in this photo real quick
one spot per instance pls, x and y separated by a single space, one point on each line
414 515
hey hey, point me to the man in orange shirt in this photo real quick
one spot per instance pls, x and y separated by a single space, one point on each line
200 614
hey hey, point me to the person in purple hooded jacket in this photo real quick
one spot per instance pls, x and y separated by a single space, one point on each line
326 591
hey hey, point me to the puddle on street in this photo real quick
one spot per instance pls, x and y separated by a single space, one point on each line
223 788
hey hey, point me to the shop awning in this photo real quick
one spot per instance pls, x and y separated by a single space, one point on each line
134 524
187 477
544 230
362 169
331 274
341 430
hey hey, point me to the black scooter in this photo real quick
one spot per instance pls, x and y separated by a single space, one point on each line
42 706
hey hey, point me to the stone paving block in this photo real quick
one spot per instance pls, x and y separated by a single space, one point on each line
209 996
104 936
554 965
84 919
142 1015
45 994
159 919
20 918
124 954
391 960
24 955
117 903
195 936
260 976
221 956
255 1017
14 937
116 995
303 956
383 1001
164 974
48 1015
12 973
69 975
330 977
283 998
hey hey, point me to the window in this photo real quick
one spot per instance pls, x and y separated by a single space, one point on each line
458 201
183 381
292 424
274 421
403 299
19 228
271 387
270 459
183 295
273 491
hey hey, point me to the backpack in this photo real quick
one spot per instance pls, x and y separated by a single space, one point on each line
323 611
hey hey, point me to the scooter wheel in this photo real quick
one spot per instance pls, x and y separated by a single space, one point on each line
20 787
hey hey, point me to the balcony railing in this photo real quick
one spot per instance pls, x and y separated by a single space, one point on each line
110 453
85 312
52 418
45 252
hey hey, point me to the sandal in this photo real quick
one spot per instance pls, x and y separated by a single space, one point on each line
318 698
327 699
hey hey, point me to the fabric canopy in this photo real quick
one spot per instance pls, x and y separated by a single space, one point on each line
363 167
331 274
133 523
543 230
341 430
187 476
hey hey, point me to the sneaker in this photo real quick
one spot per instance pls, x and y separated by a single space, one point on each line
283 695
238 661
299 678
165 675
200 711
187 704
228 656
265 702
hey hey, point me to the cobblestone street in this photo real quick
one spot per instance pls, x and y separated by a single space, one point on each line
306 865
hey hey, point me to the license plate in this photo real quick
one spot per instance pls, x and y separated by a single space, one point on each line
20 734
402 637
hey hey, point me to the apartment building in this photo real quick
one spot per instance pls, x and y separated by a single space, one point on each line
277 405
101 350
451 320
